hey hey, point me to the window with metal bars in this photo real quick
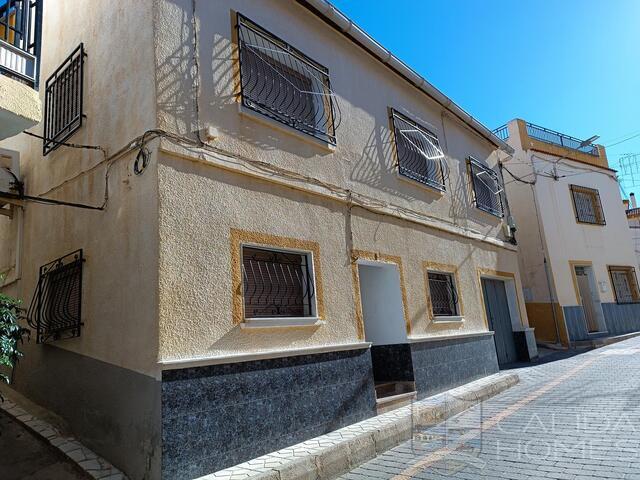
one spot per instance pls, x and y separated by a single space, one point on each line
625 284
587 206
443 294
63 101
282 83
55 309
487 188
277 283
418 151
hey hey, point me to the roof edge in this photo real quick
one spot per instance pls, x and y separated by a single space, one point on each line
338 20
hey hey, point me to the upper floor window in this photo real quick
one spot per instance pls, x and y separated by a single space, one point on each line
443 294
63 98
625 284
420 157
277 283
586 202
487 188
281 82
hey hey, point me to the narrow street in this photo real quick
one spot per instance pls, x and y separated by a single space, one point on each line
24 455
574 418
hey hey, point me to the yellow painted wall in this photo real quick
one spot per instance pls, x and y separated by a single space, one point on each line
201 205
541 317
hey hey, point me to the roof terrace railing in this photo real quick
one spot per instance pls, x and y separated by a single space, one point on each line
502 132
20 34
560 139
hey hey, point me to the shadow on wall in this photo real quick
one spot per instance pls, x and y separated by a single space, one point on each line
377 167
217 71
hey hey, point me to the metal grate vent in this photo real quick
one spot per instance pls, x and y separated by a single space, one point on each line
280 82
276 284
586 202
443 295
55 308
63 101
487 188
419 154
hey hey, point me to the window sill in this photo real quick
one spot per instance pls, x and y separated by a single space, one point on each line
432 190
270 122
592 224
451 319
495 216
276 322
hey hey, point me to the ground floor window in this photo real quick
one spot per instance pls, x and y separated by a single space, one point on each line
443 294
277 283
625 284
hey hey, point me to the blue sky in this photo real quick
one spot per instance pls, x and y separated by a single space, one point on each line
569 65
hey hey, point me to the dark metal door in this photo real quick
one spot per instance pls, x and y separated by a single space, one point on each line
497 307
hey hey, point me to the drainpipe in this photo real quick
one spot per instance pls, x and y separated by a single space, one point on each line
546 264
553 309
509 218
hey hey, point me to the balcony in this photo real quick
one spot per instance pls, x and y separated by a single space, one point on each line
20 33
540 139
20 26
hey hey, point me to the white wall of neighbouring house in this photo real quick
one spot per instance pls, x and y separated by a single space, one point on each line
568 240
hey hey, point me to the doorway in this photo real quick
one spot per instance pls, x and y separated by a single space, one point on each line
385 328
589 297
496 304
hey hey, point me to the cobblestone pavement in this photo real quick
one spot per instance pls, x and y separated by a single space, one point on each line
574 418
23 456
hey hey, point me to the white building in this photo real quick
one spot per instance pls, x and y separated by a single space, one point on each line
577 260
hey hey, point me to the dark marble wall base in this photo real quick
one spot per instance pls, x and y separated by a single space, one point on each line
217 416
392 363
623 318
619 318
444 364
576 326
112 410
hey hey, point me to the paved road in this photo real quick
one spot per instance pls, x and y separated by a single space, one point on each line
24 456
575 418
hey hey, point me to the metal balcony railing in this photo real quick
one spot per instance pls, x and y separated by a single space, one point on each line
560 139
20 34
502 132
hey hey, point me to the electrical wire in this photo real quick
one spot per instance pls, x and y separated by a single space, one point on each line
519 179
622 141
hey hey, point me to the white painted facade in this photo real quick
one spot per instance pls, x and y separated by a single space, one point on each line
551 239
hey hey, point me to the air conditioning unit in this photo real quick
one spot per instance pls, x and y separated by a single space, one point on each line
9 173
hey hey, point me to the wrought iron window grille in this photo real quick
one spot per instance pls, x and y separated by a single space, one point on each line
625 284
487 188
443 294
277 283
63 101
20 38
587 206
282 83
418 152
55 309
560 139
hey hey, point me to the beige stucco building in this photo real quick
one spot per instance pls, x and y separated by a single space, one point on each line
576 255
273 216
